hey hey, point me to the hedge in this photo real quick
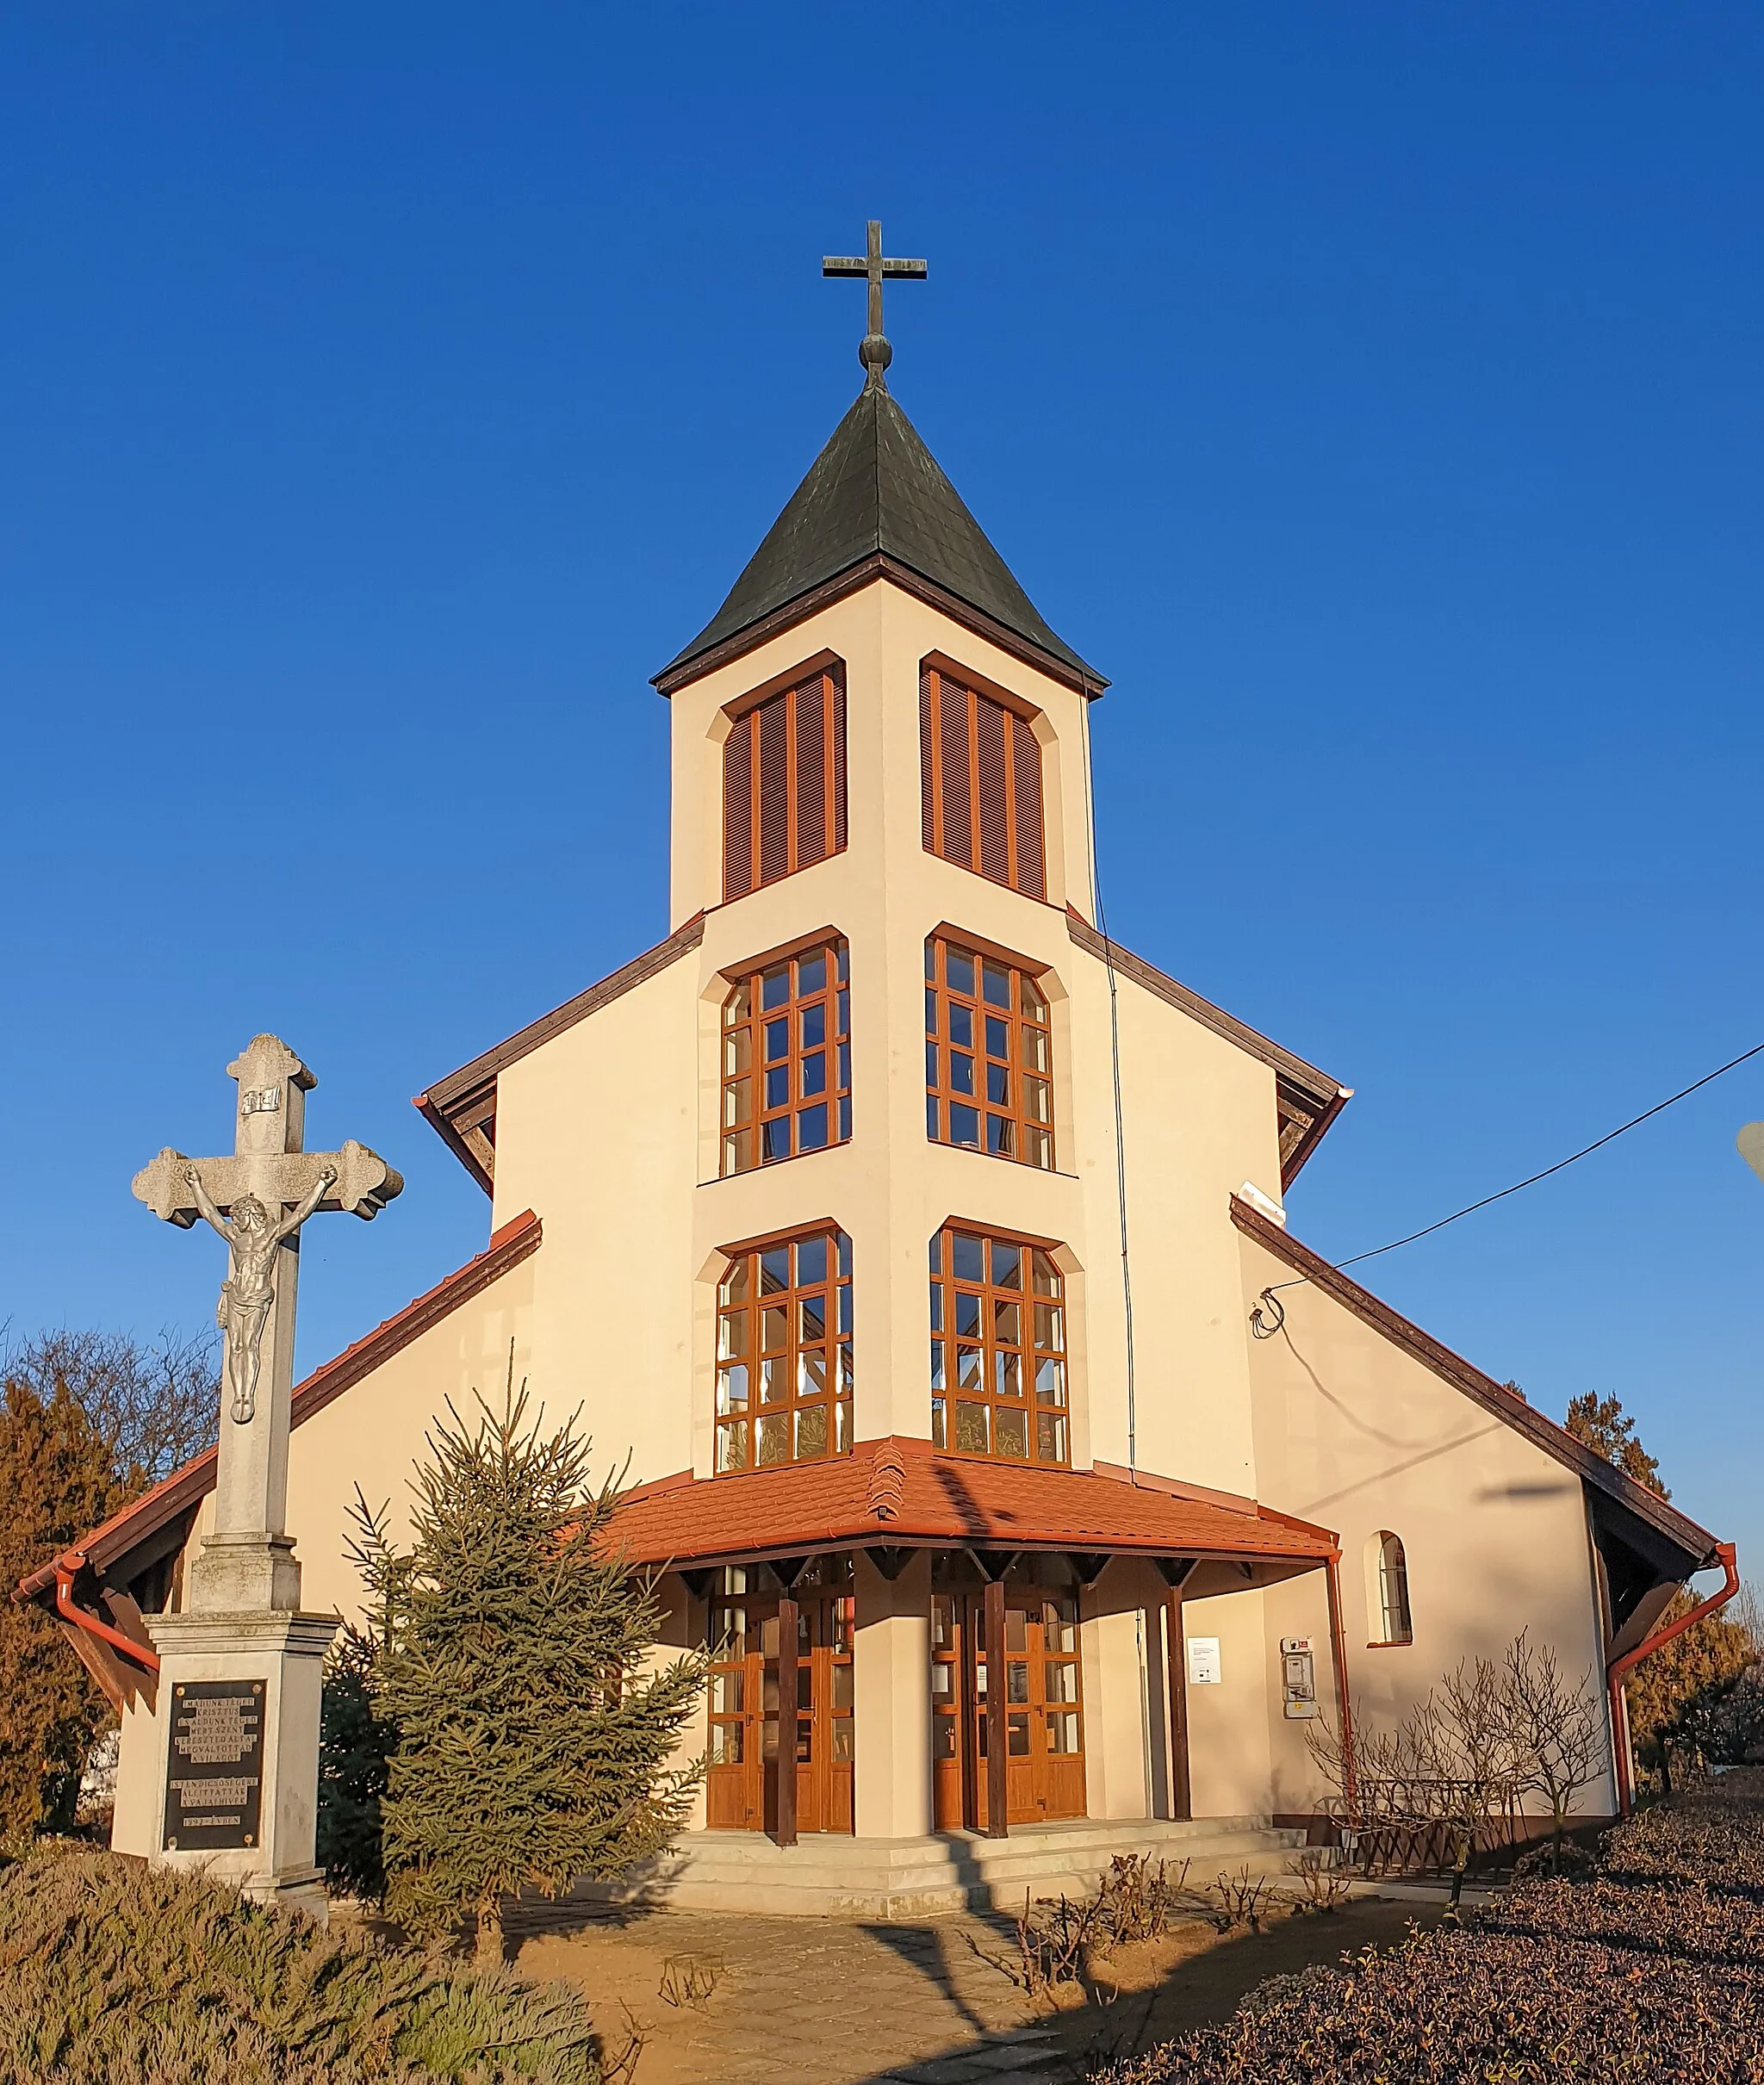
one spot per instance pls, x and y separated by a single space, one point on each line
1653 1969
112 1973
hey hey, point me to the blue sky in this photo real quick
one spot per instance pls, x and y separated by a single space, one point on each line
1372 391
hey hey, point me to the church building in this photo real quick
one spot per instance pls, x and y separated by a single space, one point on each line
1034 1490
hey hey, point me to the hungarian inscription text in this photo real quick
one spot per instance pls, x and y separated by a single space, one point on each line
215 1764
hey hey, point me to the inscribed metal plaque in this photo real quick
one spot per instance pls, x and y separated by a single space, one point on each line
215 1764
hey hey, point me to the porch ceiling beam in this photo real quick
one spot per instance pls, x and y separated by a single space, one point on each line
889 1561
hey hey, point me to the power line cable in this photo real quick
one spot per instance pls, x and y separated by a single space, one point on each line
1573 1157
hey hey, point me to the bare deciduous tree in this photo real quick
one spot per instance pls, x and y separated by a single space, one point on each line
153 1405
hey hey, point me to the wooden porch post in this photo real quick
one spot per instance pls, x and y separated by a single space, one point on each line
968 1750
1176 1570
997 1749
785 1833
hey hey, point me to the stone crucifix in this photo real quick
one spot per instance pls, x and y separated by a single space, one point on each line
257 1199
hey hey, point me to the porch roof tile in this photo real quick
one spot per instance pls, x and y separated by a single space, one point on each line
904 1492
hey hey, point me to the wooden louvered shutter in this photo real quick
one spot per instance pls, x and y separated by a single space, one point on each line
980 782
1028 848
784 782
738 809
954 763
771 726
992 795
928 777
835 674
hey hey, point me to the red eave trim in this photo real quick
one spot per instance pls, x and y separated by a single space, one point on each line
516 1241
1700 1546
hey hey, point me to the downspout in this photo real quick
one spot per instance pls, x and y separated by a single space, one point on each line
1619 1668
1343 1706
68 1567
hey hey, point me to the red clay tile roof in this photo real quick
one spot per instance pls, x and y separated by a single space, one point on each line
189 1487
901 1492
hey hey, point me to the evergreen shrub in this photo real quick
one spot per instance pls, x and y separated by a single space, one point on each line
112 1973
1651 1970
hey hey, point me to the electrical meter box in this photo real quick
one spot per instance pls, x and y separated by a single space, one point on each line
1298 1678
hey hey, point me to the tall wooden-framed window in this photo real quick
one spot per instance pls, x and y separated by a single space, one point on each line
784 1352
989 1055
1392 1566
980 782
786 1058
783 779
998 1355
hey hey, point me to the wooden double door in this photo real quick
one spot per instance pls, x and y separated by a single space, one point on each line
1044 1711
753 1730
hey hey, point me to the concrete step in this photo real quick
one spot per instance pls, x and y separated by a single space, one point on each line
831 1875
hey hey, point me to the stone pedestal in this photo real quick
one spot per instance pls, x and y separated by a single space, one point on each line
242 1689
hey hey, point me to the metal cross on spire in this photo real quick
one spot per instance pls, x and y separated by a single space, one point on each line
875 353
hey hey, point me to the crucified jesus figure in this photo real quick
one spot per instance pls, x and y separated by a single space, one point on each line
250 1286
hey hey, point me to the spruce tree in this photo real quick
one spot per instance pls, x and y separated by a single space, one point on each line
536 1730
356 1743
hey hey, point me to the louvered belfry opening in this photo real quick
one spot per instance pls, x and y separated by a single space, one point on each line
783 781
980 780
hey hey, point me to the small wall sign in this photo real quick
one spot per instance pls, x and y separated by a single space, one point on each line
1204 1668
215 1764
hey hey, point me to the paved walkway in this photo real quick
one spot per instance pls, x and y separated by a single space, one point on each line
820 2001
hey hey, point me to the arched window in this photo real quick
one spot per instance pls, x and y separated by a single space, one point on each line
988 1055
784 780
980 777
787 1058
784 1352
1392 1570
997 1347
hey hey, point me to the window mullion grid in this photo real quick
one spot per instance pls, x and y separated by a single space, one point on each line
998 1380
784 1353
958 1019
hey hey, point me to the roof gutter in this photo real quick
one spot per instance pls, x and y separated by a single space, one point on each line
68 1566
1619 1668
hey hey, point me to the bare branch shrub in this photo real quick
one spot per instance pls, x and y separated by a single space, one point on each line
1556 1733
1320 1889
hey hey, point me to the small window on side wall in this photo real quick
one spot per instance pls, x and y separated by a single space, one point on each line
1391 1572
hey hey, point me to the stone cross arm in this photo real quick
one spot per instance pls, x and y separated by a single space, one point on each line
364 1183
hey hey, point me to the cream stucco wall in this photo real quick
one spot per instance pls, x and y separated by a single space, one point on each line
373 1434
609 1132
1354 1433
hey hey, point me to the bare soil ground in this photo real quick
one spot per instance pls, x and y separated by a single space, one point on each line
722 1999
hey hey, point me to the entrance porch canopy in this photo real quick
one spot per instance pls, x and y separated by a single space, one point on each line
901 1493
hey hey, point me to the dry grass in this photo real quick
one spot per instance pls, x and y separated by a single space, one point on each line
114 1974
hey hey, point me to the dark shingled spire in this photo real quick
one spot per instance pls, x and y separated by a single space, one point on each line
876 493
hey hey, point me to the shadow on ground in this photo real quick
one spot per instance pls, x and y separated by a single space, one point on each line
821 2002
